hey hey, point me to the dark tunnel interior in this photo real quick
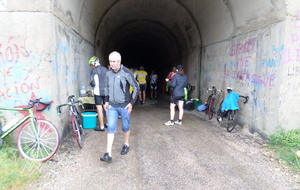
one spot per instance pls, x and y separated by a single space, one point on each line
151 47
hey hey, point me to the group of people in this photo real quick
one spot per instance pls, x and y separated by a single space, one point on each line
112 93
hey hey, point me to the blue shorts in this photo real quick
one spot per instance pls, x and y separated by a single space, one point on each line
113 115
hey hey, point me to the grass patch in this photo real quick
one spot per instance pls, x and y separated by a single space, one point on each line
286 144
15 171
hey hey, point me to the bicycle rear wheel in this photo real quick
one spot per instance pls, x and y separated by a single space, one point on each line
231 123
79 119
39 142
210 110
77 131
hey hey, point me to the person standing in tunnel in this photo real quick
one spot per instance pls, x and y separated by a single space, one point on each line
98 82
119 102
153 84
170 76
141 77
178 84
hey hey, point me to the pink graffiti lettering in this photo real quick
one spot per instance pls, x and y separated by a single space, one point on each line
12 50
240 48
257 79
4 74
296 22
19 89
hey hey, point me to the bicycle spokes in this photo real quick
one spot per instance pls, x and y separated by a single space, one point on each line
38 143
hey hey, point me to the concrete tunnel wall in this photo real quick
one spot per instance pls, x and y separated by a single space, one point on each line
252 47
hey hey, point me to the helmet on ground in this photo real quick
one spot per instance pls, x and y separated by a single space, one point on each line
93 60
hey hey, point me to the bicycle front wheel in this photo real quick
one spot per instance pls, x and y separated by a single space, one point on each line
210 110
77 131
231 123
39 142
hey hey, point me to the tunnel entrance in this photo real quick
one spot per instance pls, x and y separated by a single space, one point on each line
156 35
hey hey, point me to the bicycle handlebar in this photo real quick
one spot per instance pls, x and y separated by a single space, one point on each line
71 101
213 88
36 103
247 98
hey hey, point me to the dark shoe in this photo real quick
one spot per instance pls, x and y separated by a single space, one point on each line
125 149
99 129
105 125
106 158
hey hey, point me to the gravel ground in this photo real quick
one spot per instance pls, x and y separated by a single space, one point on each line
199 154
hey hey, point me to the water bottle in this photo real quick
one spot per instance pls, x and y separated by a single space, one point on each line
82 90
10 124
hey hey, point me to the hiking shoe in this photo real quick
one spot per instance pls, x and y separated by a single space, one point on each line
125 149
106 158
177 122
169 123
99 129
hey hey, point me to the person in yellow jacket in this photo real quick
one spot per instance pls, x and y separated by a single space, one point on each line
141 77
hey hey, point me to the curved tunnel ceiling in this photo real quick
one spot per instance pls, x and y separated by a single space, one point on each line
156 34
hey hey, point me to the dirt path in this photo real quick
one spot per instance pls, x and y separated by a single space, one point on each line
197 155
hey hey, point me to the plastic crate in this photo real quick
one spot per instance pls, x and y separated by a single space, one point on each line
89 120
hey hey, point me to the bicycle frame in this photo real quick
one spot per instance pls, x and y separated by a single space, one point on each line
20 122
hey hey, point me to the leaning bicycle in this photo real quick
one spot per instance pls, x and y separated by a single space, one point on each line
75 119
38 139
229 109
211 101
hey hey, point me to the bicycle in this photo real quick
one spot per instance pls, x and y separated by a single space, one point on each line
230 114
75 119
211 101
38 139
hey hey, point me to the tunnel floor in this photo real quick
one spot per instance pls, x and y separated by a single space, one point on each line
199 154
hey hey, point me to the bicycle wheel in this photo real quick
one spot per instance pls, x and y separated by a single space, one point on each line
210 110
76 131
219 114
38 143
79 120
231 123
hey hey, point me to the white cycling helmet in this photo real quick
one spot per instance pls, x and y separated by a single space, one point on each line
229 88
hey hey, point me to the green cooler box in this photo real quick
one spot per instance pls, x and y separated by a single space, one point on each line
89 120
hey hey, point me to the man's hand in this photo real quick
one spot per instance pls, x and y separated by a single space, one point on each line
129 107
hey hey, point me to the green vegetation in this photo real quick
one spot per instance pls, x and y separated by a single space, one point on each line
286 144
15 171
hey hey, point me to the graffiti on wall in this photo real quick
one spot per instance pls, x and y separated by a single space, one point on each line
292 53
243 69
19 77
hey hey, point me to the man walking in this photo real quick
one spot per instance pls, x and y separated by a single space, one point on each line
98 82
119 102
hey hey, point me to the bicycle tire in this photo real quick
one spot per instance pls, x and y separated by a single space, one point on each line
38 148
210 110
76 131
79 119
219 114
231 123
